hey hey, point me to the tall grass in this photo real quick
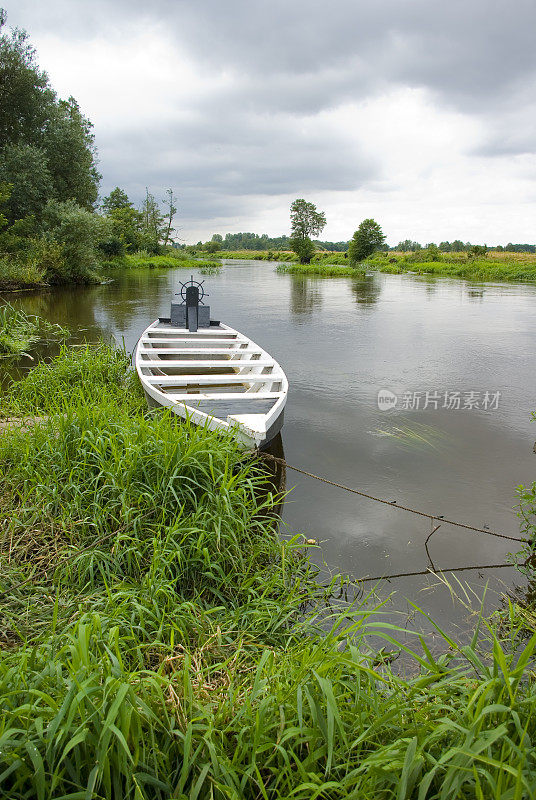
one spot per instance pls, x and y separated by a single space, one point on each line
19 331
321 269
160 640
495 267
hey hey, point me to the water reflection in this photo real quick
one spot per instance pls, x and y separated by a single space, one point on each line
384 331
366 290
305 295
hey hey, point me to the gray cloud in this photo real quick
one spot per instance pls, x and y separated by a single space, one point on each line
290 61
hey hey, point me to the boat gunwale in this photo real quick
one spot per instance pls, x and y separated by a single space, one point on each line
198 416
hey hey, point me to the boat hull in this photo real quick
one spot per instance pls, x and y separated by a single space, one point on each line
215 377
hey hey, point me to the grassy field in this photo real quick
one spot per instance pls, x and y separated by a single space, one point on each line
160 640
493 267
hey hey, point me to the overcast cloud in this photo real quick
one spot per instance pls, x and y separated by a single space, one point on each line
416 112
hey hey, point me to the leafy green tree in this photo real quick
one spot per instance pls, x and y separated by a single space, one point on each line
78 231
169 203
477 251
152 227
26 97
70 149
306 221
457 246
408 246
117 199
125 222
367 238
62 156
212 246
432 252
25 168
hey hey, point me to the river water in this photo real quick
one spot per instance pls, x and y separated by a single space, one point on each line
458 358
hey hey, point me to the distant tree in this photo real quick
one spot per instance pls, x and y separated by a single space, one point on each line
212 246
170 213
457 246
217 237
408 246
432 252
445 247
117 199
153 229
367 238
477 251
305 222
125 224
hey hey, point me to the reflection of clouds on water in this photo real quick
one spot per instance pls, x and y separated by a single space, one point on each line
340 341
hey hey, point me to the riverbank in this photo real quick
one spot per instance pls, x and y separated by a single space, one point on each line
493 267
159 639
15 275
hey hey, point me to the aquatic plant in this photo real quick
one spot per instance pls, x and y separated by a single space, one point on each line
19 331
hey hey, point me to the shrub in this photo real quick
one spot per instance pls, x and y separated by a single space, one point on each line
78 231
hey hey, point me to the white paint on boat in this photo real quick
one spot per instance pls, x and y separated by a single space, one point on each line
216 376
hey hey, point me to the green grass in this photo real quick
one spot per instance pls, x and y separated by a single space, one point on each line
321 269
140 260
19 331
158 639
494 267
257 255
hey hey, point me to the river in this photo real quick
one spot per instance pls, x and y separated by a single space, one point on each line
456 356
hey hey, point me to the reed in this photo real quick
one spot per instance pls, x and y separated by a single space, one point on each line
159 639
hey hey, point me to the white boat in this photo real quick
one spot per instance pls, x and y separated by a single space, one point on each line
211 373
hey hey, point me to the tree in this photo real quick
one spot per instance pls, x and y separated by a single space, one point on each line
78 232
305 222
25 168
69 145
367 238
117 199
125 224
171 211
152 229
46 146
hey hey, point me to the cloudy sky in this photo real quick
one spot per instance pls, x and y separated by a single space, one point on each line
419 113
